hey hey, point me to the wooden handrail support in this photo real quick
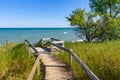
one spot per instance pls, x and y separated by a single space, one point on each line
56 41
37 62
34 68
61 43
79 61
53 39
30 45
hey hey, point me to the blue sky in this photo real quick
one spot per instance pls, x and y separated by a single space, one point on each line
38 13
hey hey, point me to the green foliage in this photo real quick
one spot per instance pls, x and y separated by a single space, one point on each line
102 58
5 58
15 62
36 76
103 7
77 18
109 30
109 11
106 27
85 23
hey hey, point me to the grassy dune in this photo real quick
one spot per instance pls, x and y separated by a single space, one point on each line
15 63
102 58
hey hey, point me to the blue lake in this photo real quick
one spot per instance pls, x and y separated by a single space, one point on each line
35 34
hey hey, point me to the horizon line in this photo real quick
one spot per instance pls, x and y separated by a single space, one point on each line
37 27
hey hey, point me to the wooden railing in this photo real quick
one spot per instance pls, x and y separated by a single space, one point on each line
30 45
36 66
53 39
56 41
78 60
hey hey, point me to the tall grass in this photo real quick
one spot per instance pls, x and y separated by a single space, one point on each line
102 58
15 62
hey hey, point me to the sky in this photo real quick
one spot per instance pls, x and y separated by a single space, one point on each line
38 13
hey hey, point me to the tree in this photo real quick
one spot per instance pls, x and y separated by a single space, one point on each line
85 23
106 27
109 11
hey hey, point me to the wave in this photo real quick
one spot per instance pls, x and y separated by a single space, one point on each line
65 32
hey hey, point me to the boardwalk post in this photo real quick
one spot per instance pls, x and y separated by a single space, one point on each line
70 58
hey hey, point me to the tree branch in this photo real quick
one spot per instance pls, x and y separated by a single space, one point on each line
116 13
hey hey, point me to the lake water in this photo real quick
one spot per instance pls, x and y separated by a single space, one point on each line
35 34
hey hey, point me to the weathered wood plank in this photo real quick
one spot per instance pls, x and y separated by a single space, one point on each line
55 69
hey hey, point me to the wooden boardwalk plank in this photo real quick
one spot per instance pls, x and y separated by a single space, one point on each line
54 68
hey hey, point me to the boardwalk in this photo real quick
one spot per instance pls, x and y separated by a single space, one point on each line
54 68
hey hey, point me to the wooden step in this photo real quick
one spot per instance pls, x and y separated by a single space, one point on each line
55 69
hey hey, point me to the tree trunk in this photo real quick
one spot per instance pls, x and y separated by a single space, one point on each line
88 37
110 8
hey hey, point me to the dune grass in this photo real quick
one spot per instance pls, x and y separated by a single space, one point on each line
102 58
15 62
